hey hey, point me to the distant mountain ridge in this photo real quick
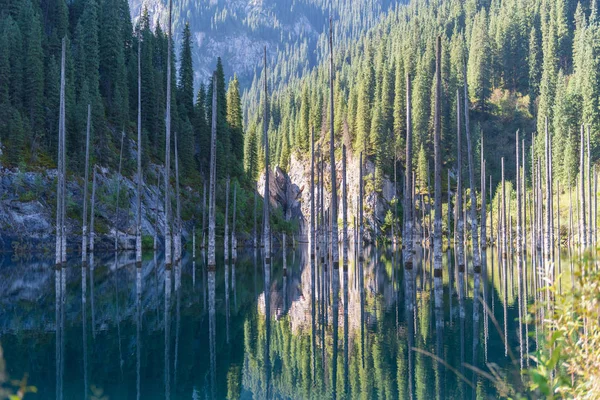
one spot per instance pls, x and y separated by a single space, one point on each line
237 30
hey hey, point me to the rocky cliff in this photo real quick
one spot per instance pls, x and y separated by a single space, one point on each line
28 209
291 192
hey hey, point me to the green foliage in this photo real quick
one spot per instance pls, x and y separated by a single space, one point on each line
568 363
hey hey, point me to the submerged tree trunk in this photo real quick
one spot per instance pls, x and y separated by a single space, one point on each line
204 217
460 249
93 210
138 224
60 190
333 207
254 237
213 177
588 176
266 213
407 234
483 200
582 219
437 226
226 234
85 190
233 237
168 258
177 241
474 231
118 192
344 213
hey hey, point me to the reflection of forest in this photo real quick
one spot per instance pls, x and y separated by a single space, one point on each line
378 355
378 364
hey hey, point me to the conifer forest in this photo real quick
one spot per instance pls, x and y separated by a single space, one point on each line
303 199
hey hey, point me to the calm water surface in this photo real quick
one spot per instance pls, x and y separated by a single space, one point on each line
112 329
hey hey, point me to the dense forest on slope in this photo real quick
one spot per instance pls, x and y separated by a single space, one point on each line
102 71
525 61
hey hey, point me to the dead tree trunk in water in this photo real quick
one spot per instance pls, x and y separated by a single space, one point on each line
168 148
437 226
138 224
226 235
93 210
204 217
213 177
266 213
474 230
483 200
407 234
85 190
344 212
582 227
233 238
588 176
460 249
360 210
155 246
333 207
519 250
548 216
177 241
312 203
60 190
118 192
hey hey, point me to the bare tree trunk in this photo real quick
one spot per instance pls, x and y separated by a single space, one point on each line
155 246
588 177
177 244
266 212
449 215
119 192
60 192
226 235
168 259
595 214
312 244
519 243
233 237
213 178
491 213
138 225
254 236
483 200
92 214
460 249
437 235
85 190
344 214
360 214
474 229
204 216
333 207
407 234
548 222
582 227
558 243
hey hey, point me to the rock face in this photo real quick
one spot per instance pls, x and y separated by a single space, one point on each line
28 207
291 192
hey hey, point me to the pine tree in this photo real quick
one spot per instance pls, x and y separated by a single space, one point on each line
223 137
236 128
202 132
33 72
479 74
186 74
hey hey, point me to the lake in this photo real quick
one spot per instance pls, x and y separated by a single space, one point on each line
116 331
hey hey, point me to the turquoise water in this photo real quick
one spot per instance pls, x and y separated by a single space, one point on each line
113 329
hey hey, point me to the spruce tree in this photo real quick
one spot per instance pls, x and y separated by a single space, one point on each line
236 128
186 75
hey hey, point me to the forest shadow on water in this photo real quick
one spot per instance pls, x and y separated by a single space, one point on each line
113 330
